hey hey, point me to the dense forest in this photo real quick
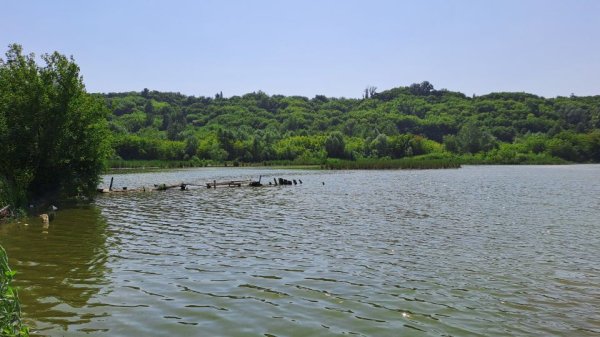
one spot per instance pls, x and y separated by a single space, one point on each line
415 120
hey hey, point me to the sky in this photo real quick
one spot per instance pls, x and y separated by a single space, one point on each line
321 47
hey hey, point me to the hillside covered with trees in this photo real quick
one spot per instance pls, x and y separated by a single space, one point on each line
401 122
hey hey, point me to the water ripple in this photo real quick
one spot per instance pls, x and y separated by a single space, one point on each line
478 251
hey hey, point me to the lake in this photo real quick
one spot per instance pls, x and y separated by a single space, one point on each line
476 251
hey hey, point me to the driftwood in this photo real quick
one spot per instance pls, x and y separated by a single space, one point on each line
252 183
229 183
164 187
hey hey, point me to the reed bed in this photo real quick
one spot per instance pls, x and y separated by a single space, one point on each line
389 164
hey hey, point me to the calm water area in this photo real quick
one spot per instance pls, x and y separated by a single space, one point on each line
475 251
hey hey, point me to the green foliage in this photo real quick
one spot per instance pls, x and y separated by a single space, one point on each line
397 123
54 135
335 145
470 139
10 309
383 164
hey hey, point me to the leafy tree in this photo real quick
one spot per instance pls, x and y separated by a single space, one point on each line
422 89
191 146
149 111
471 139
335 145
379 146
54 136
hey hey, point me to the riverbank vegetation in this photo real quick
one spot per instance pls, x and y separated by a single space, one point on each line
412 163
403 122
55 137
10 309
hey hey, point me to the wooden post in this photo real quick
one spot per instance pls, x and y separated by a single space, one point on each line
111 182
215 183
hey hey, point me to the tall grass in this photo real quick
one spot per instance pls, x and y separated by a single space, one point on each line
10 310
137 165
153 164
515 159
413 163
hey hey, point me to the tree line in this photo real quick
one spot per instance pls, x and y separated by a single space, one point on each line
401 122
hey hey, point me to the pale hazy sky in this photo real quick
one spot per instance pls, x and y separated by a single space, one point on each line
335 48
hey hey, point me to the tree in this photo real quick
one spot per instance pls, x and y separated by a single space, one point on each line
379 146
422 89
335 146
370 92
191 146
56 139
472 139
149 111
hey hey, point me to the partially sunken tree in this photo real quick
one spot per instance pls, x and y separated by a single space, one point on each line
54 136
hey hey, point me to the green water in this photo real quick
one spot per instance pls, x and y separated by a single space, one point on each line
476 251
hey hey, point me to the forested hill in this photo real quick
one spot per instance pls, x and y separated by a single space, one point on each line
400 122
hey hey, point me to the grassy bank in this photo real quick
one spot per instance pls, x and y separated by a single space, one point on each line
386 164
10 310
148 165
154 164
516 159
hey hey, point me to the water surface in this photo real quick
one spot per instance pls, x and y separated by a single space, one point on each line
490 250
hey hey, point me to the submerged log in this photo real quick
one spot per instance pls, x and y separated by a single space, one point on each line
164 187
228 183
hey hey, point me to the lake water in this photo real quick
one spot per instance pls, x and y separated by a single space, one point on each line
476 251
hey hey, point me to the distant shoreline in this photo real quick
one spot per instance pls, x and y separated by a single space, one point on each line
130 166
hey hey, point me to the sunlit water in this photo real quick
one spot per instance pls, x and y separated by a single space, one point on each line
487 251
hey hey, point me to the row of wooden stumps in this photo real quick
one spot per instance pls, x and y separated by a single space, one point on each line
254 183
159 187
282 181
183 186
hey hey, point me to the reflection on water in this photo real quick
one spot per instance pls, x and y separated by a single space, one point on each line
475 251
60 269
